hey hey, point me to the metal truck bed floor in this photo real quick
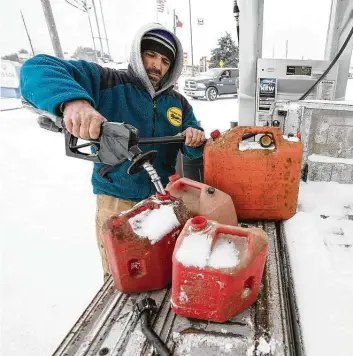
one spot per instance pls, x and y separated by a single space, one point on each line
110 327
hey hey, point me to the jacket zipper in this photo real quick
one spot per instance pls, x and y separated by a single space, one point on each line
154 103
154 116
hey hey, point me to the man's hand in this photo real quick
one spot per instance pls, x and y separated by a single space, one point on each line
81 120
194 137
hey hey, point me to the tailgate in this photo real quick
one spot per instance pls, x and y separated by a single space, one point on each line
110 327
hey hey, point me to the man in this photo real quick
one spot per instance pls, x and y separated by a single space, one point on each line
86 94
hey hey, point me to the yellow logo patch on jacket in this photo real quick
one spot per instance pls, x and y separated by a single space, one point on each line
174 116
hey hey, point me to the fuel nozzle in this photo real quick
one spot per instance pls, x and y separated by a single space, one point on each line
144 160
155 179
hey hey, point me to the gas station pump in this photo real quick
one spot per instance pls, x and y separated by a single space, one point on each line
288 79
263 81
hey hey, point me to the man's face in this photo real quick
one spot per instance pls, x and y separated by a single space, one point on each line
156 65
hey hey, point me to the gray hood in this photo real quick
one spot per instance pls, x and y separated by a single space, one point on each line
138 68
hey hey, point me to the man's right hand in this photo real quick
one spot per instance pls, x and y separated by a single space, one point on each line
82 120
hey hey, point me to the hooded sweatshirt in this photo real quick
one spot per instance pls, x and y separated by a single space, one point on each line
119 96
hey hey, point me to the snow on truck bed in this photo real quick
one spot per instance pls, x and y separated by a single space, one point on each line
320 244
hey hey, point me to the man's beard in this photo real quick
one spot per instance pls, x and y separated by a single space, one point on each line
154 80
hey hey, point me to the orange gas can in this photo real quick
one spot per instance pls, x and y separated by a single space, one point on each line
263 183
202 199
217 269
140 243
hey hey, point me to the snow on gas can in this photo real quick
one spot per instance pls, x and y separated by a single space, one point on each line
139 243
217 269
202 199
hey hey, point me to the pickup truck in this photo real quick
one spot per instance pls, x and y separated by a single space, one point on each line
213 83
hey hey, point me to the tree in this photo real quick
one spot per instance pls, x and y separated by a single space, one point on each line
21 56
11 57
87 54
226 51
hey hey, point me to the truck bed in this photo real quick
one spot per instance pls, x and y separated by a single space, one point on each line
109 325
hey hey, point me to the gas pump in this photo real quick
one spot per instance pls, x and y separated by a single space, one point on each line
287 80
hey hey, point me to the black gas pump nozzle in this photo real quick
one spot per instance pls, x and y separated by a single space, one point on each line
117 143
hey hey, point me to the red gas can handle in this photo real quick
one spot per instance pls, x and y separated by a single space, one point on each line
201 222
186 181
235 231
240 131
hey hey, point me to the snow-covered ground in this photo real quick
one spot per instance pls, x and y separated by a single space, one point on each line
10 103
50 264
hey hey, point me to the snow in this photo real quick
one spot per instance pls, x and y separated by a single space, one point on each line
251 145
203 344
326 159
50 263
320 243
195 251
291 139
154 224
224 255
263 346
10 103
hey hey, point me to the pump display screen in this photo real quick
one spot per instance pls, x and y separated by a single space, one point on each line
299 70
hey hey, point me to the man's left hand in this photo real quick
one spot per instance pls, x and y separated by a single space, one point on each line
194 137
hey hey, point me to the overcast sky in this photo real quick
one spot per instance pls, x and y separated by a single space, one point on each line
302 22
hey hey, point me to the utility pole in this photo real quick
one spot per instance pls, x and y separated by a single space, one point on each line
105 30
52 28
192 49
174 24
99 32
83 6
29 38
94 44
286 48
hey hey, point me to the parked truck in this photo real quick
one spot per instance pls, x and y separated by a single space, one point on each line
213 83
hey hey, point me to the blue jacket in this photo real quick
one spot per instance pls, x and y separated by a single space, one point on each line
119 96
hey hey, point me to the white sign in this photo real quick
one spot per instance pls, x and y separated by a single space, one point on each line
200 21
8 76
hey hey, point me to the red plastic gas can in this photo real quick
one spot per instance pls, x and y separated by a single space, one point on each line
202 199
217 269
140 242
263 183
